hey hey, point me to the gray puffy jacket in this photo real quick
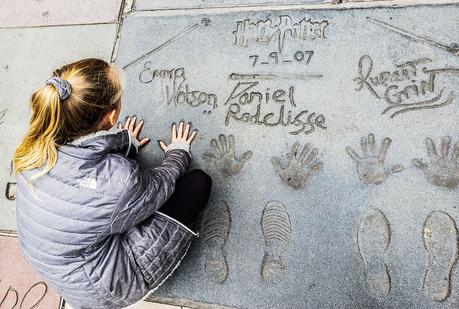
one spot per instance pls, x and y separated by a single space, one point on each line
91 226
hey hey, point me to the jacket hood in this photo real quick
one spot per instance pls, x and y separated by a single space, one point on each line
100 143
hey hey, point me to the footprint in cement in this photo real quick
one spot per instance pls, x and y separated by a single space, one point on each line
276 227
441 243
215 228
373 239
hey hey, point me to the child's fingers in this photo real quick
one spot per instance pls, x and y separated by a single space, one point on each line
187 131
174 132
120 126
144 141
128 121
162 145
138 128
132 124
191 138
180 130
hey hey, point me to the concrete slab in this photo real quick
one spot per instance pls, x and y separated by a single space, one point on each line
309 121
20 284
28 13
28 58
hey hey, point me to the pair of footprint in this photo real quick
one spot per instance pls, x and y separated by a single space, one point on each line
215 229
440 238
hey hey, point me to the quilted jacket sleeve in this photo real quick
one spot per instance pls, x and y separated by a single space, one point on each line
147 190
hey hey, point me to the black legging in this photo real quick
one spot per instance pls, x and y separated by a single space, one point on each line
191 194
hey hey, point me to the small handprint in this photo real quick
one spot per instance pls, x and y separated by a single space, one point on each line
300 167
370 166
442 171
223 156
2 115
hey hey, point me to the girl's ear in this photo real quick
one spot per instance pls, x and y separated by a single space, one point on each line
113 116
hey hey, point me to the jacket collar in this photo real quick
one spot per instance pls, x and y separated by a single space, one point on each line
99 143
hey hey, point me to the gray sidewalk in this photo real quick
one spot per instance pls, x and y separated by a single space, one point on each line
329 128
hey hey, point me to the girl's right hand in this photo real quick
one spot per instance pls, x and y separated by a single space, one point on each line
180 136
134 129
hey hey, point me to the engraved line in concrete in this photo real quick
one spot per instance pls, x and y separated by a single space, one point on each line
448 101
2 115
452 49
268 76
158 48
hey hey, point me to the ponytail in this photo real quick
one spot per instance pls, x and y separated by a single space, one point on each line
38 148
71 105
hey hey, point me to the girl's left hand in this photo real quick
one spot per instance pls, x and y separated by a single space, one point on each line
180 136
134 129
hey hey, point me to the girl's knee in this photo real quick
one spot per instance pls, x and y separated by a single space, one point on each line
201 179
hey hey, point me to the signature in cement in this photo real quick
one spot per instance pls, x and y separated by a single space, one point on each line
406 88
175 89
264 32
273 109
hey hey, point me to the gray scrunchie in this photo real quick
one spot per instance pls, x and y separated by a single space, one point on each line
62 86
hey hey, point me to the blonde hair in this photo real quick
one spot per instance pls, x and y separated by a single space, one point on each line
96 90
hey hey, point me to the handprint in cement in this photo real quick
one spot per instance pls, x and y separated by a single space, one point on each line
300 167
443 170
370 166
223 156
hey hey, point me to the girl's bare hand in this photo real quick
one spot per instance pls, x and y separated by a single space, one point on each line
180 136
134 129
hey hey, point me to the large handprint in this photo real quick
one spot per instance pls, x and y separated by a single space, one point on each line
223 156
370 166
443 170
300 166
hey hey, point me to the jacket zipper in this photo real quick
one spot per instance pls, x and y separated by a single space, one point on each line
178 222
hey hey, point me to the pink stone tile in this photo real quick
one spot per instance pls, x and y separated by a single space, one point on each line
27 13
20 285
